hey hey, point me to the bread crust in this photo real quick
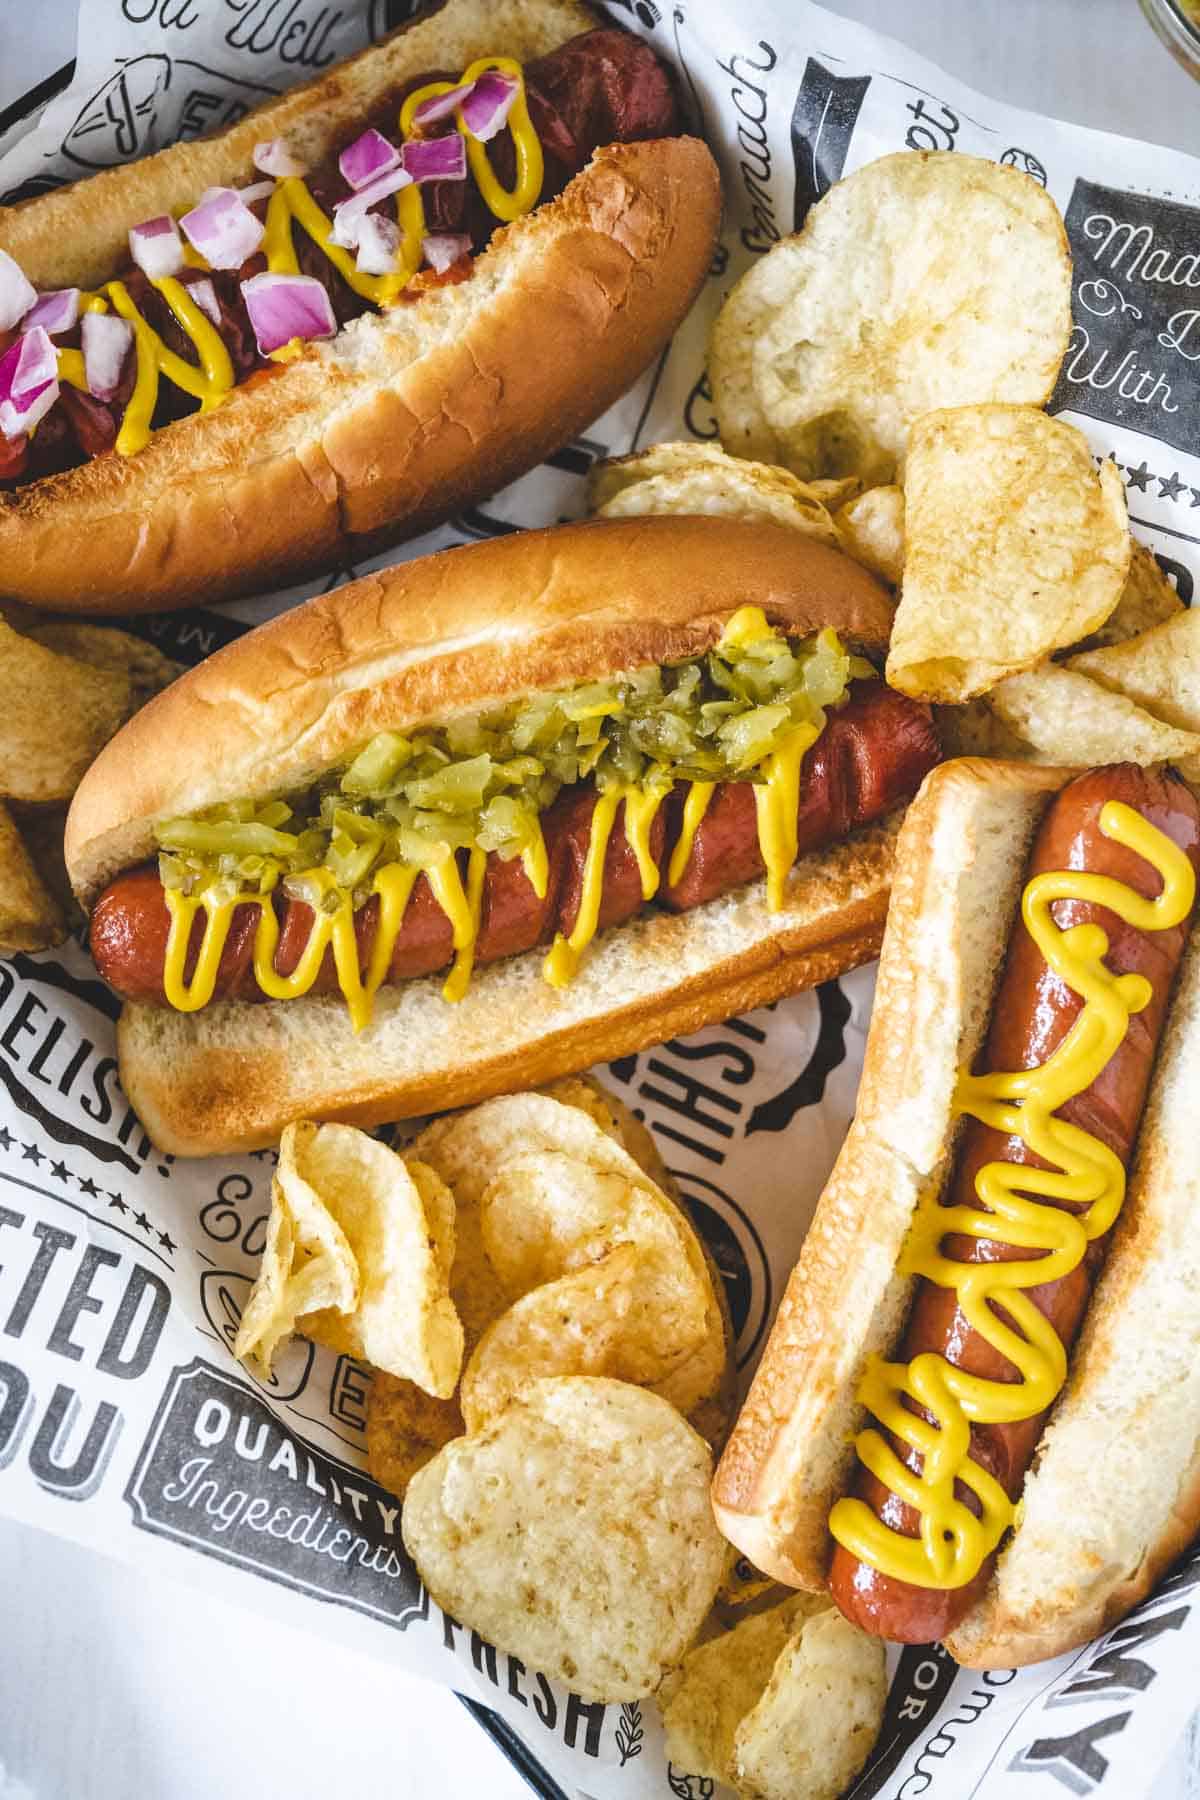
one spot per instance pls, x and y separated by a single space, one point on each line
406 416
232 1075
451 633
1087 1549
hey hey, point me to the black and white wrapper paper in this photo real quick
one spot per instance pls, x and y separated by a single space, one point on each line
124 1421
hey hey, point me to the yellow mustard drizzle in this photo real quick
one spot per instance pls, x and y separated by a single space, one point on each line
563 960
953 1542
292 203
209 381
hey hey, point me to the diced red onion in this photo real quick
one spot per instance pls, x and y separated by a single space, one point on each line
273 157
283 307
28 365
258 190
205 295
55 312
443 249
28 382
368 157
156 247
106 343
223 229
349 214
17 294
486 110
431 112
436 159
378 242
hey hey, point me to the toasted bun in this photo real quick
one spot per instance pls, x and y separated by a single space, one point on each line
404 417
449 634
1115 1494
231 1076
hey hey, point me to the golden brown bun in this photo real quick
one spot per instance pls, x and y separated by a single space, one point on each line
232 1075
1115 1495
451 633
406 416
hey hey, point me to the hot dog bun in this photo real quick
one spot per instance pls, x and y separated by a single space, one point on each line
449 634
403 418
1115 1492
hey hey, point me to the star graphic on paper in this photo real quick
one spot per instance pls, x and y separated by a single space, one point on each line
142 1220
1170 487
6 1138
1139 477
60 1169
87 1186
31 1153
167 1241
1195 493
116 1200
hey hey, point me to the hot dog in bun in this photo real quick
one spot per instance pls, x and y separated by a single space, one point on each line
353 866
977 1418
364 306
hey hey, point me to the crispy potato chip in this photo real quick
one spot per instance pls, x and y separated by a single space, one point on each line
1147 599
30 918
700 478
399 1219
871 530
1014 548
815 1725
718 1683
974 729
615 1119
42 829
359 1249
576 1531
1068 719
105 647
1159 669
307 1262
633 1315
58 715
405 1429
923 280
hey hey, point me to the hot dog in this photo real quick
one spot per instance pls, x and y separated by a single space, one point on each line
957 1400
358 205
565 821
870 757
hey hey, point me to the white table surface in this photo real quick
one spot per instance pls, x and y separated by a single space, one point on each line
114 1686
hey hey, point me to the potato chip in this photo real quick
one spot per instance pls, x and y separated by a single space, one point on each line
405 1429
923 280
1159 669
816 1723
58 715
871 530
1069 719
399 1219
576 1531
105 647
1147 599
307 1262
42 829
616 1120
632 1315
700 478
359 1249
975 729
1015 547
30 918
706 1699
